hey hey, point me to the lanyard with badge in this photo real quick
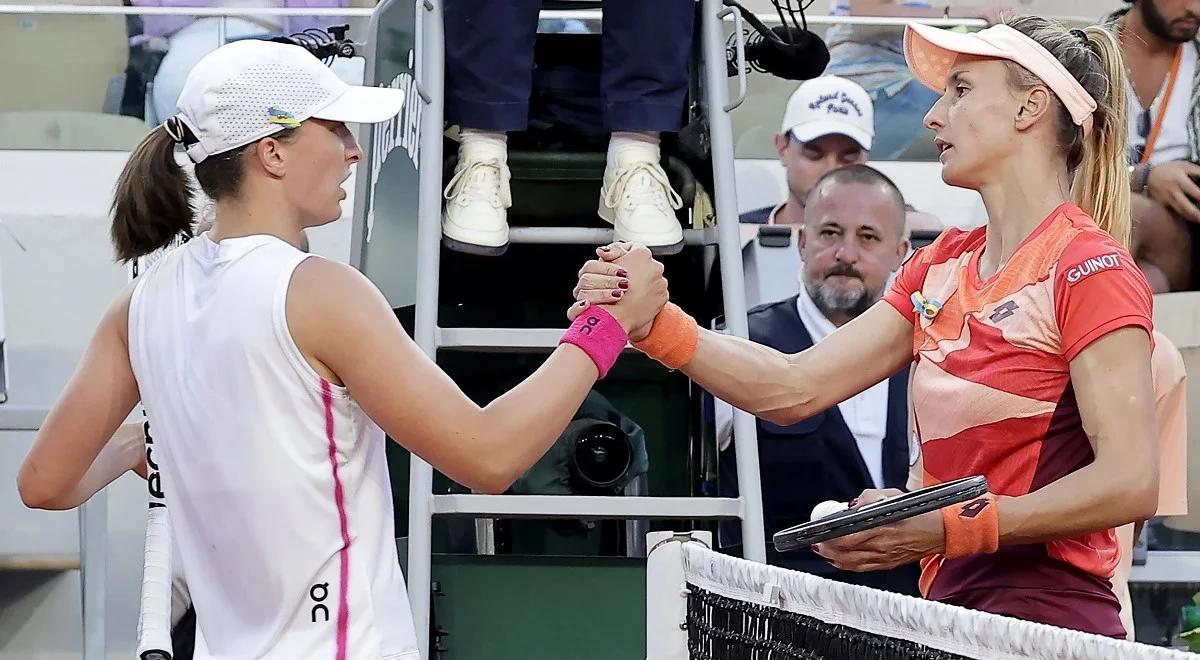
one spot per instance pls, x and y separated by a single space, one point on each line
1151 131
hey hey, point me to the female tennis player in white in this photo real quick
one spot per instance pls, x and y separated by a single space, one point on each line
264 371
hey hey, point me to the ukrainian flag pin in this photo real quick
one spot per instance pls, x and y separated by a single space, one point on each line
926 307
282 117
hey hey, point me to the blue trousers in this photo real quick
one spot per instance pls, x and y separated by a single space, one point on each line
489 63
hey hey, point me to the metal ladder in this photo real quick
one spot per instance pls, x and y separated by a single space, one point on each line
423 503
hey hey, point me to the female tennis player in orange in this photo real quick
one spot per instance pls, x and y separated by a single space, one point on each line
1031 335
266 373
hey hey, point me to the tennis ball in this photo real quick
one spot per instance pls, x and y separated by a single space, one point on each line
828 508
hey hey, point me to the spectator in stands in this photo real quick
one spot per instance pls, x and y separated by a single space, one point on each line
852 242
1159 44
829 122
873 56
190 38
489 59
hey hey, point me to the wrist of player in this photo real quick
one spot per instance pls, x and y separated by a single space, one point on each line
672 338
600 335
640 332
624 315
971 528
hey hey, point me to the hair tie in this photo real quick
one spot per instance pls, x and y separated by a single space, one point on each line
175 128
1082 36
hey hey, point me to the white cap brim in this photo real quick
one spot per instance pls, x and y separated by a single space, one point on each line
363 105
809 131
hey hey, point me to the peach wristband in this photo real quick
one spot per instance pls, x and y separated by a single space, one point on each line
972 528
672 339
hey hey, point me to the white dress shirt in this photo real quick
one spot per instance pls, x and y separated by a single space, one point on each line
1172 143
865 413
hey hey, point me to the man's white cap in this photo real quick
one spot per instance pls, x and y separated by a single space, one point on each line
830 105
247 90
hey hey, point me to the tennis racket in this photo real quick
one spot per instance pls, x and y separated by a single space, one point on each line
883 512
154 617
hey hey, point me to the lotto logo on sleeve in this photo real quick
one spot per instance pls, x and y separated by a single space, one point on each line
1093 266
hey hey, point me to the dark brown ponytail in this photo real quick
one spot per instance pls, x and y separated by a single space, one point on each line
152 204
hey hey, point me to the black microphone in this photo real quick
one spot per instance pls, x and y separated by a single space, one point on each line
785 51
801 55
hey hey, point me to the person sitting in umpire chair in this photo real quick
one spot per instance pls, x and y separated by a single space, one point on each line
489 78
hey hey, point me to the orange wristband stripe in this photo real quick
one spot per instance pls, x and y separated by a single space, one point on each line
972 528
672 339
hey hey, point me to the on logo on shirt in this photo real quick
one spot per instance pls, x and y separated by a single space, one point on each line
1092 266
318 593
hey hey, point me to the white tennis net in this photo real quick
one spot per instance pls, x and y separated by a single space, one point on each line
702 605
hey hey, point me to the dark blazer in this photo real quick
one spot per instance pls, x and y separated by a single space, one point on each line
817 459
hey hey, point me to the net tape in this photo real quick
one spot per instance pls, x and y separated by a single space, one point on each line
736 603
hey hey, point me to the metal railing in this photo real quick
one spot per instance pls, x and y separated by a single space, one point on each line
586 16
228 12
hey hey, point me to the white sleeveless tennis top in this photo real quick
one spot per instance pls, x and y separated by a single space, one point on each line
278 488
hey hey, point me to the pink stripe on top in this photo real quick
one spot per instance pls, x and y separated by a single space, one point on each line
339 498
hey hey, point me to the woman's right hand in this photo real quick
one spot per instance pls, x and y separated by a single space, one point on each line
630 281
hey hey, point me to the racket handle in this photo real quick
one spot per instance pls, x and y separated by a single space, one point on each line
154 621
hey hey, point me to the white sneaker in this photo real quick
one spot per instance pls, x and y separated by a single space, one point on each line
638 200
477 201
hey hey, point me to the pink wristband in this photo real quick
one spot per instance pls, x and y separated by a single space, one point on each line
599 335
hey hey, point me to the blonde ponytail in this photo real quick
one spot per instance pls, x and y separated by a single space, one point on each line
1101 184
1098 163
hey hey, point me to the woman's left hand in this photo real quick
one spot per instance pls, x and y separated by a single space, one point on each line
888 546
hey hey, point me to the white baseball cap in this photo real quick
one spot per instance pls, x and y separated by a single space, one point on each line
830 105
247 90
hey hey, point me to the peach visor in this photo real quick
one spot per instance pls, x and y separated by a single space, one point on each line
930 53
